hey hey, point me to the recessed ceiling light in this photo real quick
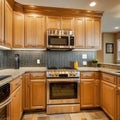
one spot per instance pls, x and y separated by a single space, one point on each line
116 27
92 4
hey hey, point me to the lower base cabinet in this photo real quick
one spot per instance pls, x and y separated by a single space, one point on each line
118 99
15 107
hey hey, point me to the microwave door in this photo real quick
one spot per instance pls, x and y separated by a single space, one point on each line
58 41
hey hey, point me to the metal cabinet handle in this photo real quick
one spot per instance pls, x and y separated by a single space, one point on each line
6 102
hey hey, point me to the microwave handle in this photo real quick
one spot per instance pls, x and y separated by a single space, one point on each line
6 102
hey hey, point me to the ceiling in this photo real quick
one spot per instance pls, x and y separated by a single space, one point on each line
111 8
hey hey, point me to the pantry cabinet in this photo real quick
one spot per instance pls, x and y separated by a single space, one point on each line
89 89
15 107
34 31
108 94
58 22
18 30
8 25
34 88
1 22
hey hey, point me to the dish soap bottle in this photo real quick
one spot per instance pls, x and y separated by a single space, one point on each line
75 64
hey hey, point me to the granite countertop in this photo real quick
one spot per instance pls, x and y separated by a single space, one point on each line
18 72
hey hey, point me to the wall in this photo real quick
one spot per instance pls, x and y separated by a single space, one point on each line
47 58
102 55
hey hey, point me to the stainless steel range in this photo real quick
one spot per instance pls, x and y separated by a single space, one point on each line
63 91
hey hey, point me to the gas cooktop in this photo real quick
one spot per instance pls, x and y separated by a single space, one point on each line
56 68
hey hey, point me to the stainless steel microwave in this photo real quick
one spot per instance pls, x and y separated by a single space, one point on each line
58 39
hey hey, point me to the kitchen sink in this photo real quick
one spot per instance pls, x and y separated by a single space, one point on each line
118 72
2 77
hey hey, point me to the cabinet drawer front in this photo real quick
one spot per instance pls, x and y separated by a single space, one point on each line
15 84
87 75
108 77
37 75
118 81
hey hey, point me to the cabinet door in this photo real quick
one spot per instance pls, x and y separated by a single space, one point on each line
26 91
8 25
16 105
96 93
79 33
67 23
87 93
34 31
108 98
18 30
118 104
97 33
37 94
53 22
89 32
1 22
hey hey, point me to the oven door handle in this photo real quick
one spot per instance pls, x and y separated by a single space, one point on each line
6 102
63 80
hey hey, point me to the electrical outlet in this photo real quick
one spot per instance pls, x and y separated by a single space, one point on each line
38 61
84 62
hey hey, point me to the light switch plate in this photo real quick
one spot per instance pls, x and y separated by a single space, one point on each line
84 56
38 61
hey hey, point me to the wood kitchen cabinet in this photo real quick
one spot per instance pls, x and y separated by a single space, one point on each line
79 32
88 33
34 31
108 94
58 22
15 107
118 99
1 22
89 89
8 24
34 90
18 30
92 32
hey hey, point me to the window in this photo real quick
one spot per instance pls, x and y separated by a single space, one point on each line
118 50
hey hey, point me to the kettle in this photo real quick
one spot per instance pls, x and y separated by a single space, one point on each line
75 64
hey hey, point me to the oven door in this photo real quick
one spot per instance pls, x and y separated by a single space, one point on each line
61 91
4 109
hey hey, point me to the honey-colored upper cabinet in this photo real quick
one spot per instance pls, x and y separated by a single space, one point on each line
57 22
34 31
93 33
53 22
18 30
1 22
8 25
79 33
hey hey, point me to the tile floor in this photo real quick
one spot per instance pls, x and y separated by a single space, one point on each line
84 115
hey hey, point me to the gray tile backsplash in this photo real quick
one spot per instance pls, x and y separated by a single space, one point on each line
28 58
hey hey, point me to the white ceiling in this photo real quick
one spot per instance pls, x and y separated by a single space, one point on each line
111 8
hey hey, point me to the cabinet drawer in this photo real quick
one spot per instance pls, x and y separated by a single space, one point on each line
37 75
15 84
108 77
118 81
87 75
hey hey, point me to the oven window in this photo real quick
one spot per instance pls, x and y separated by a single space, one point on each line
3 113
56 40
62 90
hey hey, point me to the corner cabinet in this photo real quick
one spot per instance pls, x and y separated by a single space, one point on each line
34 91
8 24
1 22
108 94
90 89
58 22
18 30
88 33
34 31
